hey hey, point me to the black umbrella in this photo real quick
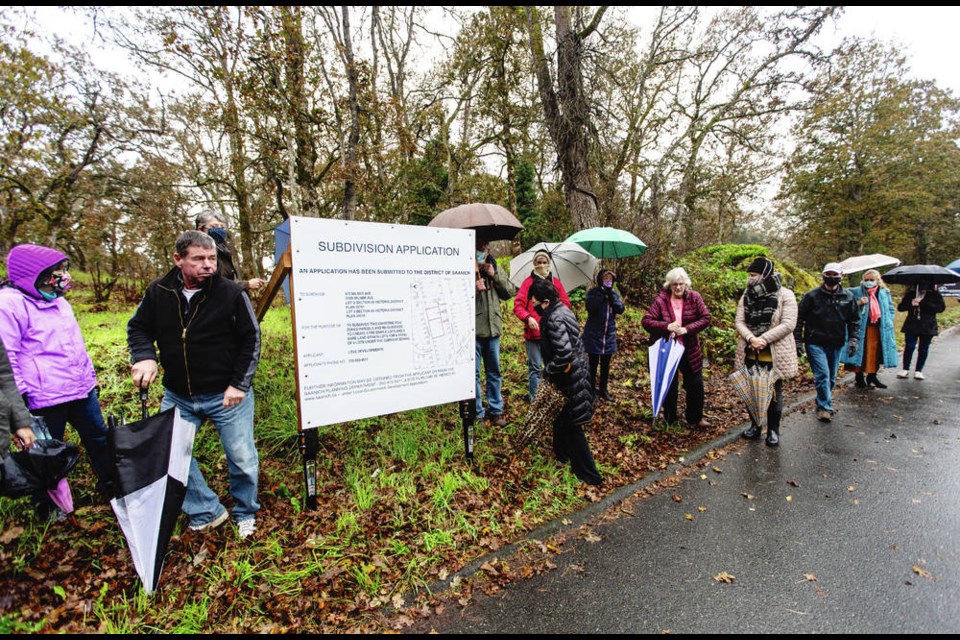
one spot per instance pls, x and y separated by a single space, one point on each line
42 466
151 460
915 274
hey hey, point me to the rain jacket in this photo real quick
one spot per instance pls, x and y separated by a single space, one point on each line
888 341
523 307
13 414
205 345
783 348
600 331
827 319
560 345
696 318
922 322
489 315
43 340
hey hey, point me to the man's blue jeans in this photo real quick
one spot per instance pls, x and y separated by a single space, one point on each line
534 366
488 354
824 362
235 427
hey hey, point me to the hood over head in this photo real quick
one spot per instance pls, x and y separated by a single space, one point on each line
26 262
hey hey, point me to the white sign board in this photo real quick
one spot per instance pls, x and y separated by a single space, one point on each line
384 317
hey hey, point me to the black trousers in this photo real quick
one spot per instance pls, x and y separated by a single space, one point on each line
693 385
570 444
604 362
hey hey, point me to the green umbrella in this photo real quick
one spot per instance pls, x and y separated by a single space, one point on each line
607 242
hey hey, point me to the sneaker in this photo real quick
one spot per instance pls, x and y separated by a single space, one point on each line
245 528
917 375
823 415
903 374
216 522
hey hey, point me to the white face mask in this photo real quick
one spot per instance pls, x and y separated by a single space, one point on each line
869 284
754 280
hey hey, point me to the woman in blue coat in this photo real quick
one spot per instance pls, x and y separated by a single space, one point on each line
878 345
600 332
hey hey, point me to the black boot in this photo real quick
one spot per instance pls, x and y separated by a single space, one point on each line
773 437
860 383
605 394
752 433
873 380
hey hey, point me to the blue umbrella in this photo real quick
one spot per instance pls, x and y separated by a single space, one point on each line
664 358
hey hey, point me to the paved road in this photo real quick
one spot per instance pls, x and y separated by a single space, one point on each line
849 527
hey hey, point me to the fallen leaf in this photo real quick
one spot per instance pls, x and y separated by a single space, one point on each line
677 497
592 537
810 577
725 577
688 516
923 573
11 534
789 498
851 489
793 483
490 569
701 509
716 469
703 476
748 496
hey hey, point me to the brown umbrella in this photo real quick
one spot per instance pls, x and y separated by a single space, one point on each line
491 221
754 385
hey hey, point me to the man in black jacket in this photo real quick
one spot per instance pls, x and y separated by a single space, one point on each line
209 343
827 317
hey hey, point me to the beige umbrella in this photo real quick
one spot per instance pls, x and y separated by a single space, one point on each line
754 385
855 264
491 221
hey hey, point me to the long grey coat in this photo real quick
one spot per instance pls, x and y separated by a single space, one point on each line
779 336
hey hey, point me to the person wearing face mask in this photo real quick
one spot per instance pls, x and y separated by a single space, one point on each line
877 344
827 319
922 304
212 223
564 365
492 286
524 309
766 318
600 331
48 356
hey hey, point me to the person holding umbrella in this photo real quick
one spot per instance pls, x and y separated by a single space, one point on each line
827 318
49 358
679 313
766 318
876 343
564 365
922 304
492 286
600 331
525 310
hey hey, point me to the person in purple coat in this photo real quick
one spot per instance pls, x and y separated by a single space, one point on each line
679 313
48 356
600 331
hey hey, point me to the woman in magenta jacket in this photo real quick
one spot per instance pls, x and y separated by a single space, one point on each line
47 354
680 313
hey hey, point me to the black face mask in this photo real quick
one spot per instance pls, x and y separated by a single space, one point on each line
832 282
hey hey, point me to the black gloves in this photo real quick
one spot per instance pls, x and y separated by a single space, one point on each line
799 349
852 346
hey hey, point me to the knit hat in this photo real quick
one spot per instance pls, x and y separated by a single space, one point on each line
25 263
763 266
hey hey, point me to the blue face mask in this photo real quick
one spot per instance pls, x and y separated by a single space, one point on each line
48 296
869 284
217 233
481 256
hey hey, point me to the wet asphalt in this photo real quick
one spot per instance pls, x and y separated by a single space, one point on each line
847 527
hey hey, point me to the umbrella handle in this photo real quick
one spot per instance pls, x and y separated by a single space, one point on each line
143 401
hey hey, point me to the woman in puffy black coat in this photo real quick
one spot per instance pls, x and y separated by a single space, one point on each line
600 331
565 366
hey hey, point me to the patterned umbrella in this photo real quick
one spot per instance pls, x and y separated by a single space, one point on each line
754 385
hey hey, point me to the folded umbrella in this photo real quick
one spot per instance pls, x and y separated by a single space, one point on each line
755 386
151 465
573 265
41 467
664 358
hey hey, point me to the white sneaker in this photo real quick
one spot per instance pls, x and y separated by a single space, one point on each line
216 522
917 375
903 374
246 527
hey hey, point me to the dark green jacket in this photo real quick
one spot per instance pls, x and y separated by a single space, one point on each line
489 315
13 413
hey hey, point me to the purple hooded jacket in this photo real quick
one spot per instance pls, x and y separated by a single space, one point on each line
43 340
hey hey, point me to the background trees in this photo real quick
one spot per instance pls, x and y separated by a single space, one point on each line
674 129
